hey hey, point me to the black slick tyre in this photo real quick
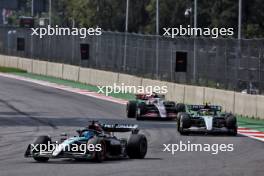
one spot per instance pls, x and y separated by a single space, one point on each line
131 109
183 122
137 146
231 124
180 107
41 140
100 155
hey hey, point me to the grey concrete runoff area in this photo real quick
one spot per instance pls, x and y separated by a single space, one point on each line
28 110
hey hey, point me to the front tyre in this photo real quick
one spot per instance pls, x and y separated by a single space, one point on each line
100 155
42 140
183 122
137 146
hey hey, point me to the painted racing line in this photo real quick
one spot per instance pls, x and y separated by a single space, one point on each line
258 135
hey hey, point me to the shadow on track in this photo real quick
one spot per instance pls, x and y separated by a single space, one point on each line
109 161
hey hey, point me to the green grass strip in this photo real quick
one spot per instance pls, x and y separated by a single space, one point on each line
257 124
11 70
74 84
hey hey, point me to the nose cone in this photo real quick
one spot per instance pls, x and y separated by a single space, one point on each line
58 149
208 122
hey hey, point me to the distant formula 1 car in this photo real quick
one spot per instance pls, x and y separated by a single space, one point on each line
206 118
101 140
152 107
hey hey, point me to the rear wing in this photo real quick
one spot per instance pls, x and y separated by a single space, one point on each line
142 97
148 96
120 128
198 107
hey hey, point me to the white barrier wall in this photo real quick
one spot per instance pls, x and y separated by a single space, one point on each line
11 61
84 75
39 67
260 106
25 64
129 80
54 69
151 82
175 92
220 97
151 85
244 104
70 72
194 95
2 60
102 78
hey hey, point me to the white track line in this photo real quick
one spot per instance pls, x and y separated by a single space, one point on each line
66 88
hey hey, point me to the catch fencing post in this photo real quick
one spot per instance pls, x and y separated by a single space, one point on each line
157 39
157 57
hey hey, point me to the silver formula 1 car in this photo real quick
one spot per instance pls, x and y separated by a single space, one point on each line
152 107
206 118
96 142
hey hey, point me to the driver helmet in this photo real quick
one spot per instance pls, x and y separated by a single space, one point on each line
95 127
88 134
207 106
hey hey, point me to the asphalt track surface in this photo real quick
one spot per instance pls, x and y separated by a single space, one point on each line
28 110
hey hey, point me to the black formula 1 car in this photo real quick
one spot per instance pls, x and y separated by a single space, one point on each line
96 142
152 107
206 118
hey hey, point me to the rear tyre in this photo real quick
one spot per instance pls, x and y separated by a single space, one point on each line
137 146
42 140
140 111
131 109
231 124
180 107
